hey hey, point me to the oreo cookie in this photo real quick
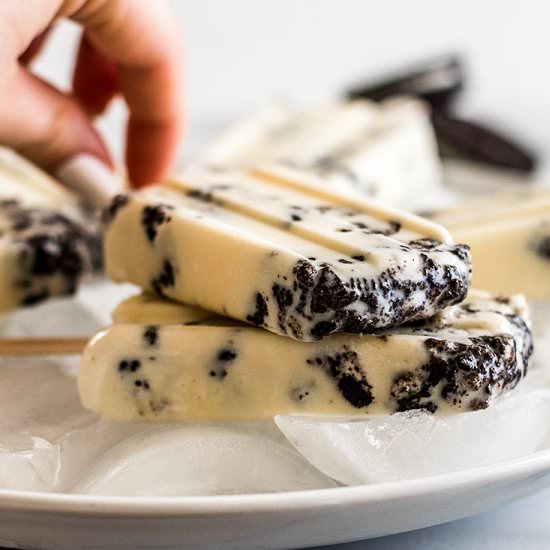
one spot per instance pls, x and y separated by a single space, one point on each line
437 82
472 141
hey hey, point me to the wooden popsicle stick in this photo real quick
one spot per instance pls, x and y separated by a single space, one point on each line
42 346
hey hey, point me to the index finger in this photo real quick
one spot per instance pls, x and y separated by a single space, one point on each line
143 40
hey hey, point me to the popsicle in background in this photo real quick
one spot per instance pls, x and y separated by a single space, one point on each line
387 151
509 236
48 241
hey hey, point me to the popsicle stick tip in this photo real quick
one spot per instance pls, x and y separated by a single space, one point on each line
42 346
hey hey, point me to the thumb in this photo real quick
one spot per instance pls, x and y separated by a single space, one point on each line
46 125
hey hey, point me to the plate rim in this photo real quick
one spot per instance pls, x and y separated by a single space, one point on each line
155 506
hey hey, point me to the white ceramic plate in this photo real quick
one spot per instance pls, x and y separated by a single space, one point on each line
283 520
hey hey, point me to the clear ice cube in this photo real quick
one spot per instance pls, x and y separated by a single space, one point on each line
46 436
201 459
413 444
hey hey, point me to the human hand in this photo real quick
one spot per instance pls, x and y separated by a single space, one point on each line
131 47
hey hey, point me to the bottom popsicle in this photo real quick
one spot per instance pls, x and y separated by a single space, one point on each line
165 361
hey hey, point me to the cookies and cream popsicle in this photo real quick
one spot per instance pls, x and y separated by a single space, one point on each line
166 361
24 182
46 244
277 250
385 150
509 235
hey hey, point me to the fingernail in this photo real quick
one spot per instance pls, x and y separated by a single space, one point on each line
90 178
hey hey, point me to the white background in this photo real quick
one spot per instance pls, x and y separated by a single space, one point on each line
240 53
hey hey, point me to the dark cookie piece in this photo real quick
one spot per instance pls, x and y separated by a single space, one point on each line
346 370
392 227
466 374
166 278
129 365
8 203
478 143
117 203
207 195
35 297
542 247
260 313
319 292
154 216
524 338
151 335
49 246
204 196
283 298
437 81
539 242
223 359
301 393
53 254
94 244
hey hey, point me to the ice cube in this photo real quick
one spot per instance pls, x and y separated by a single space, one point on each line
58 317
80 315
201 459
539 312
46 436
415 444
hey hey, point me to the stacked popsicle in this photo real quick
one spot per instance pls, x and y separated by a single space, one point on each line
269 292
275 283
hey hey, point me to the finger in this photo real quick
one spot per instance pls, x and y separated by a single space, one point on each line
150 151
44 124
94 79
21 23
144 43
35 47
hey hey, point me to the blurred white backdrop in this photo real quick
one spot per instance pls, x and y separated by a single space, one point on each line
241 53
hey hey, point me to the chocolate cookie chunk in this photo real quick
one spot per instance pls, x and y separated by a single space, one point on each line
472 141
437 81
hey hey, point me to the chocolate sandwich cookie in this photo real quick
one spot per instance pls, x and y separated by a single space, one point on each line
473 141
437 81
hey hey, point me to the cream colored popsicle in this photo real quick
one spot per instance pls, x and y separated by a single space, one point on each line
509 235
281 252
386 150
45 248
166 361
24 182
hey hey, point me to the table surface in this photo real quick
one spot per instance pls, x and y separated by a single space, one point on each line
522 525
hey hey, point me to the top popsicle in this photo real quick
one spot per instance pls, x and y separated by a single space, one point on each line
280 251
